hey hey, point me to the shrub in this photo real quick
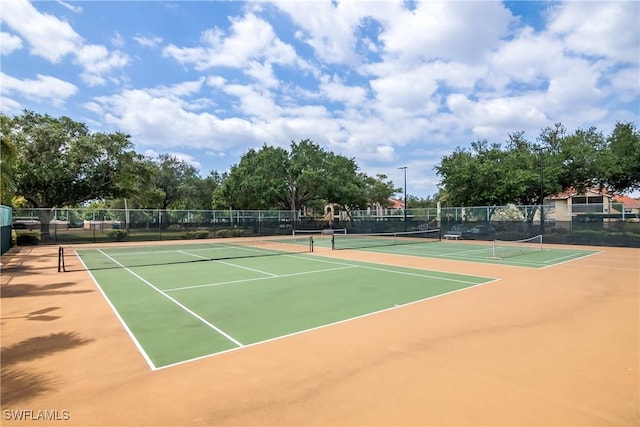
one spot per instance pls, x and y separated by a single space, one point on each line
30 238
117 235
201 234
198 234
223 233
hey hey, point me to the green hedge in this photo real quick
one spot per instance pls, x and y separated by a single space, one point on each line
117 235
236 232
27 239
198 234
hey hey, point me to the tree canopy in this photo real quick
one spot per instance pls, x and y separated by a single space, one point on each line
56 162
622 170
61 163
306 175
525 172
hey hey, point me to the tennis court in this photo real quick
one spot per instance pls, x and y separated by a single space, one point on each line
188 301
540 346
528 252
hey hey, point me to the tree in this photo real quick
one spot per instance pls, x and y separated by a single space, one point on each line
622 170
257 182
416 202
579 159
61 163
474 177
8 157
379 189
525 173
490 175
307 175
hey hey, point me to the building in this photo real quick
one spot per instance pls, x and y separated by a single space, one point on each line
592 204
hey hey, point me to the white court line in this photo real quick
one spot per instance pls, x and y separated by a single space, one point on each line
228 263
304 331
214 247
571 259
179 304
254 279
556 260
481 260
126 252
364 265
122 322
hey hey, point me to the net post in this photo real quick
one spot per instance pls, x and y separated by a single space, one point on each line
61 259
310 243
333 242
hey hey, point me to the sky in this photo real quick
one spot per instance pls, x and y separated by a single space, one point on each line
388 83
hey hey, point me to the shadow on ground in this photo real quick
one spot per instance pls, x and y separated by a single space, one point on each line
19 384
26 290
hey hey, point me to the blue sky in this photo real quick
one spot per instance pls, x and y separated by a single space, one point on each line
389 83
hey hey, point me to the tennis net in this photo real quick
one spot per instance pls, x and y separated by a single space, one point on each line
508 248
74 258
371 240
324 231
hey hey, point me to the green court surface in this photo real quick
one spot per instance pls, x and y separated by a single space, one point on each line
532 255
177 312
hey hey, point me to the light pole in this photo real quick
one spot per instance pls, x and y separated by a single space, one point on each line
405 195
541 151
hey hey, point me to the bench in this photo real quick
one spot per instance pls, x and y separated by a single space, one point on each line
452 236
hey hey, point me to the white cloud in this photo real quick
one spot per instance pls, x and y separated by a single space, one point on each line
576 86
97 62
528 58
493 118
187 158
335 90
94 107
251 39
410 90
254 103
178 90
625 84
161 122
262 73
328 27
216 81
48 36
76 9
53 39
9 43
117 40
148 41
453 30
43 89
9 106
607 29
382 82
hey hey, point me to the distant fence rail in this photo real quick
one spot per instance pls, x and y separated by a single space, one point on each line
599 225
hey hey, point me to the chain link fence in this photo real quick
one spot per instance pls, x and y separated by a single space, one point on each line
595 225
